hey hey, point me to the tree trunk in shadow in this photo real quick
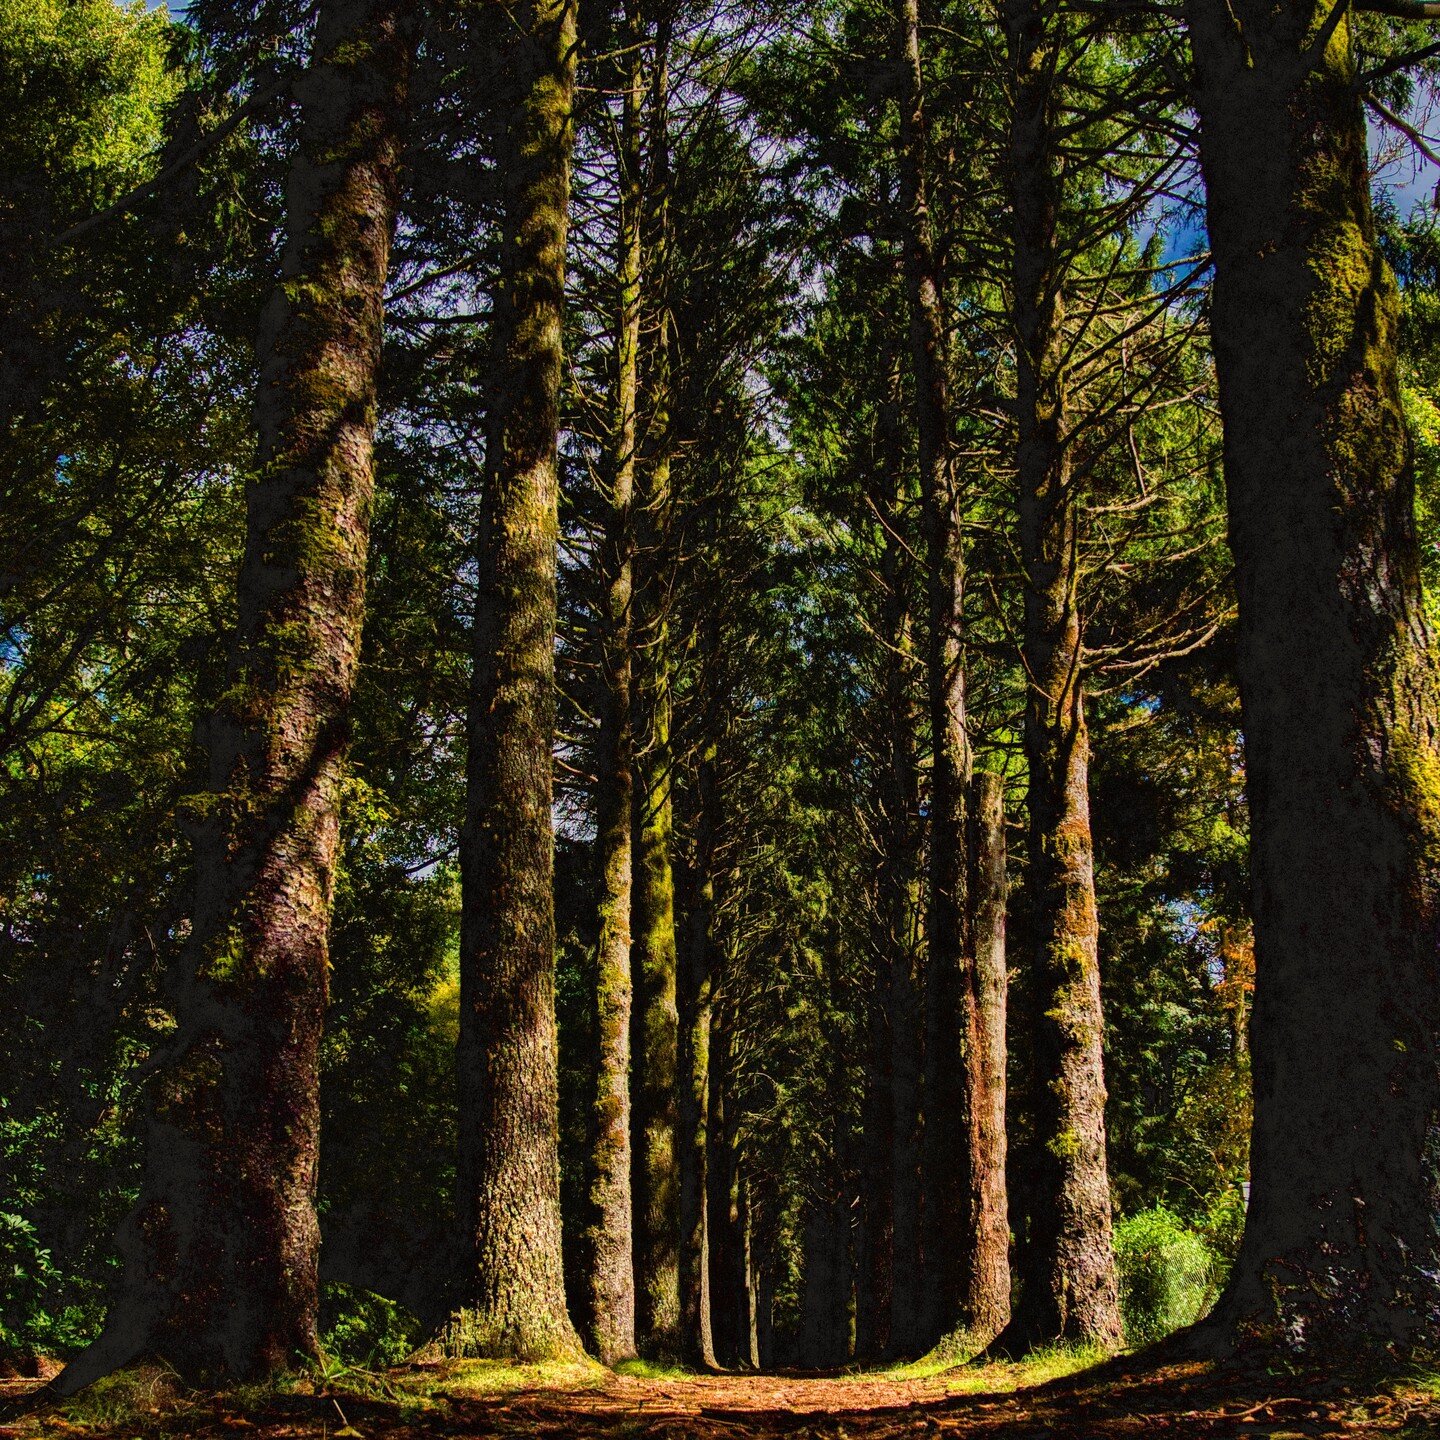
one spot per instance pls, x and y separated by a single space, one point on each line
222 1249
943 1218
1338 694
695 995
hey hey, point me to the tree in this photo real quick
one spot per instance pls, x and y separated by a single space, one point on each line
608 1241
1071 1288
1337 690
223 1245
511 1286
653 940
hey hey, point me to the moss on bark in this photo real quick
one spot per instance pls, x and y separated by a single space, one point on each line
1338 693
512 1286
222 1250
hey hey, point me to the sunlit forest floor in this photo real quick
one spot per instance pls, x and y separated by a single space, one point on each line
1033 1400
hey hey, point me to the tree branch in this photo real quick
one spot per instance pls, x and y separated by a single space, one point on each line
1407 130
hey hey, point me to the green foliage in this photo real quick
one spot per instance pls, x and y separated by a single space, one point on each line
366 1330
85 85
1167 1274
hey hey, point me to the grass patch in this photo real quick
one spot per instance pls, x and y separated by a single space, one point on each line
653 1370
473 1379
966 1377
152 1400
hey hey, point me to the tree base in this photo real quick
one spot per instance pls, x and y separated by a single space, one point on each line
473 1334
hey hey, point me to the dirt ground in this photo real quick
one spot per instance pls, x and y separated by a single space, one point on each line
1121 1399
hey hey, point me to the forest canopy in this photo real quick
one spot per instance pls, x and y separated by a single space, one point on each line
716 680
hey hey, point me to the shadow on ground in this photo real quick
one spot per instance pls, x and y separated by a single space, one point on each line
1130 1397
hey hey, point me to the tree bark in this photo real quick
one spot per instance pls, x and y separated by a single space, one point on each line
874 1262
950 744
720 1196
892 1200
222 1249
1338 695
696 981
653 954
1070 1289
513 1296
824 1304
747 1318
765 1319
609 1252
655 1028
985 1280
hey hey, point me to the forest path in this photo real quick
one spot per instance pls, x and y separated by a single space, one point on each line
1119 1401
1185 1400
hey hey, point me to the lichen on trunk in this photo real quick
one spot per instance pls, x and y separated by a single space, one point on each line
696 989
511 1286
222 1248
655 1024
608 1242
1338 695
1070 1291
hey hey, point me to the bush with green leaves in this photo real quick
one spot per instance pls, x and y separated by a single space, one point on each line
364 1329
1167 1274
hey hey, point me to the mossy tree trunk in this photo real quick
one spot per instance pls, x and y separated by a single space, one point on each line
511 1294
655 1022
1338 694
720 1193
696 984
608 1245
987 1263
655 1030
222 1248
945 678
1070 1289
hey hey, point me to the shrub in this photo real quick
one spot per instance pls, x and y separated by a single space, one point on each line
363 1329
1166 1274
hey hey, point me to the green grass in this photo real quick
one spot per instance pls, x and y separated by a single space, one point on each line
475 1378
653 1370
965 1377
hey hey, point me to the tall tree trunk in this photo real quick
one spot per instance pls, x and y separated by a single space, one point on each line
874 1261
222 1248
655 1028
513 1296
986 1277
609 1254
696 982
720 1195
825 1294
950 744
906 1296
746 1325
889 1271
765 1318
653 953
1338 694
1070 1289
